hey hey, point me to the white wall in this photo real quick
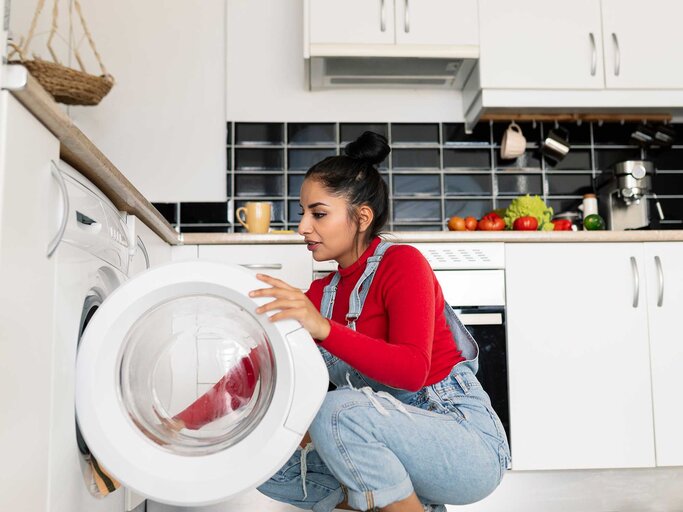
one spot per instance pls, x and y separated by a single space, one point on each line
266 79
163 123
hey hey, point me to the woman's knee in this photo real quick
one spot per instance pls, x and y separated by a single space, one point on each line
330 412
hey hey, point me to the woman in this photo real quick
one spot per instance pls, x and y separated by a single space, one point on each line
409 425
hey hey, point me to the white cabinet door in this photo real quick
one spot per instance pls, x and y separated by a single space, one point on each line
28 222
664 266
164 123
292 263
579 372
643 44
540 44
351 21
437 22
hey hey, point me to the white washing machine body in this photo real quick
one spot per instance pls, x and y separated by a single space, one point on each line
91 260
136 352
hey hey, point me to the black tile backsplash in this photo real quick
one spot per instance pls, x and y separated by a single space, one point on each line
515 184
468 184
258 185
420 133
465 158
417 184
192 213
311 133
456 174
569 184
415 158
303 159
351 131
249 159
259 133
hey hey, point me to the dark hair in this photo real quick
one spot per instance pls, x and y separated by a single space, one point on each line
354 176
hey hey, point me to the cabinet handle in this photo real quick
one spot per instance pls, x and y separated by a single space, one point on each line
660 281
383 15
636 282
262 266
617 55
54 243
406 17
594 54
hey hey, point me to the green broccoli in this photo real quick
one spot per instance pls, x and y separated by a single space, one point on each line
529 206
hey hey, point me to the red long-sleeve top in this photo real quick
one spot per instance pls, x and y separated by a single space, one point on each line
401 339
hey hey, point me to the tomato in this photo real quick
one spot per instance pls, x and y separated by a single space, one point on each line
456 223
488 223
492 216
527 223
470 223
562 225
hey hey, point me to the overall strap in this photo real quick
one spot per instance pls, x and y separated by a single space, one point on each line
358 296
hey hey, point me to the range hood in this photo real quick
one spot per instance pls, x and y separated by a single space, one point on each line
388 71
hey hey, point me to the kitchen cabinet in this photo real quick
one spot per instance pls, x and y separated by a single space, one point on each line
664 269
393 22
351 21
537 44
164 123
29 219
611 44
642 45
292 263
578 356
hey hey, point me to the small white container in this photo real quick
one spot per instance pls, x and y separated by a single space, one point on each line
590 205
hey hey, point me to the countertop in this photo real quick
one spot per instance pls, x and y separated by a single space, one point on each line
456 236
81 153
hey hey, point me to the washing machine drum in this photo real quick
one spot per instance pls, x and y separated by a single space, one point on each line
185 394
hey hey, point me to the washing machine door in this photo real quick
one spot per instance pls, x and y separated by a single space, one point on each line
185 394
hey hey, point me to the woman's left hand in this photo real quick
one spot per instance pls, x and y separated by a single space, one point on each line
293 303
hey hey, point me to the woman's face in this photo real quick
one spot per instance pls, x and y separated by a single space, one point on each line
326 226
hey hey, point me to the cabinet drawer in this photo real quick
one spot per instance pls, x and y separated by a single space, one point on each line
291 263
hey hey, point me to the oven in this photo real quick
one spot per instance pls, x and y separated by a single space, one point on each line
472 278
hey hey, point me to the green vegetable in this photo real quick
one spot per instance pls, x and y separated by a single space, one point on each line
529 206
593 222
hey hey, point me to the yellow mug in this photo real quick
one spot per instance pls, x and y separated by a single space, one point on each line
257 216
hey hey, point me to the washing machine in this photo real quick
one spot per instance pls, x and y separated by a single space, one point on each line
181 340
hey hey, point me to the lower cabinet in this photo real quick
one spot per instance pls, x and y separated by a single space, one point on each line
664 269
595 354
290 262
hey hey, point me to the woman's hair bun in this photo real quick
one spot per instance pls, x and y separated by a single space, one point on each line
370 147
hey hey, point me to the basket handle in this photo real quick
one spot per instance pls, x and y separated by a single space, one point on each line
53 30
77 4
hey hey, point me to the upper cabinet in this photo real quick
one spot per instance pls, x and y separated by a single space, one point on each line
437 22
585 56
425 28
642 45
351 21
537 44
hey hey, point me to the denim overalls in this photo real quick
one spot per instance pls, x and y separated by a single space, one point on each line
374 444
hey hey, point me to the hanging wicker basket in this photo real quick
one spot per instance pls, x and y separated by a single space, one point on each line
66 85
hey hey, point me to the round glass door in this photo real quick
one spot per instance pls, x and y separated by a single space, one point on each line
197 374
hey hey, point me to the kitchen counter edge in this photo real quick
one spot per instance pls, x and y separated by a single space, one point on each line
452 236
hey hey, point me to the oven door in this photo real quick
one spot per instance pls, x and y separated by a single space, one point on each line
487 325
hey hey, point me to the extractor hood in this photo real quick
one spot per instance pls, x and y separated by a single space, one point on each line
383 71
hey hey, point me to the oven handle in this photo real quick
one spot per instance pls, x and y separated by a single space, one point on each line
474 316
